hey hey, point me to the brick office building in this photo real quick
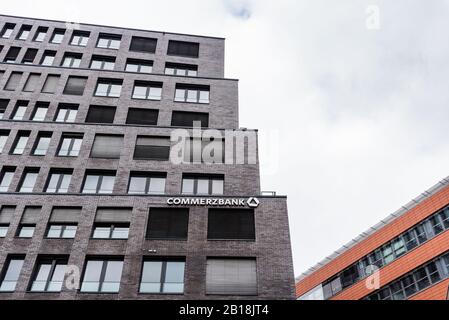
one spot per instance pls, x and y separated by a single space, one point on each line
405 257
87 190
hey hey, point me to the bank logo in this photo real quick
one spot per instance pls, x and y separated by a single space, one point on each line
253 202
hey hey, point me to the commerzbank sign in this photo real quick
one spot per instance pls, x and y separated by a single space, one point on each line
211 202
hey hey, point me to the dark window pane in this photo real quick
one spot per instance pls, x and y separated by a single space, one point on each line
142 116
143 44
228 224
168 224
184 49
187 119
100 114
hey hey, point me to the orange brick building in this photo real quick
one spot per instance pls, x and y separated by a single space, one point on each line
404 257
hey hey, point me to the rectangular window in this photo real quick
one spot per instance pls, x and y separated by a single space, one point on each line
72 60
40 111
152 148
7 30
48 58
29 56
195 151
141 44
13 81
109 88
192 93
99 182
178 69
6 215
11 273
42 144
189 119
202 184
30 218
102 63
58 36
80 38
58 181
107 146
101 114
112 223
141 66
102 276
109 41
3 138
41 33
147 183
231 224
24 32
20 110
12 54
20 143
162 276
183 49
147 90
66 113
32 82
231 277
168 224
63 222
3 105
51 83
6 176
49 275
70 145
75 85
26 231
142 116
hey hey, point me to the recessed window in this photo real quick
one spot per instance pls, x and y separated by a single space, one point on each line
51 83
162 276
195 150
6 216
178 69
30 218
189 119
12 54
3 138
147 183
13 81
100 182
48 58
72 60
40 111
100 114
11 272
20 143
147 90
6 176
168 224
112 223
231 224
109 88
29 56
24 32
70 145
141 44
141 66
7 30
102 63
80 38
202 185
20 110
41 33
49 274
142 116
183 49
66 113
192 93
75 86
231 277
107 146
63 223
32 82
58 36
42 144
152 148
109 41
58 181
3 105
102 275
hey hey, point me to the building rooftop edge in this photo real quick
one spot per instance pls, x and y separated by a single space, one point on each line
114 27
364 235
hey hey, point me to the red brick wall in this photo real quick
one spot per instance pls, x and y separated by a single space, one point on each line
387 233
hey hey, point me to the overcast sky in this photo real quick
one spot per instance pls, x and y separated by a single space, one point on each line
360 115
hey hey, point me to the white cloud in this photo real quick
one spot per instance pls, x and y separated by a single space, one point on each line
362 114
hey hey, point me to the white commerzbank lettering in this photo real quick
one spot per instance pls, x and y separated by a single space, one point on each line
206 202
